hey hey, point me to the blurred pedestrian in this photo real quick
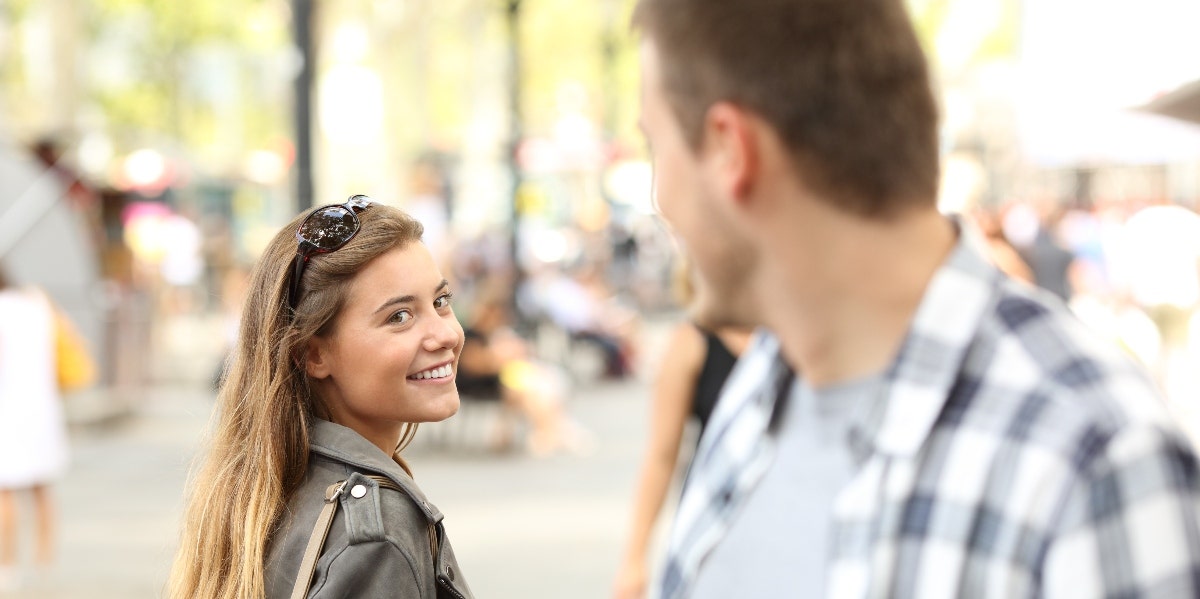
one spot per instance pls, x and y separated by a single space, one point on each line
497 364
33 431
695 364
580 303
1000 250
348 340
952 433
429 203
233 296
1034 235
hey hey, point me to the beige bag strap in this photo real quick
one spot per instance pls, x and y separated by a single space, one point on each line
316 541
433 544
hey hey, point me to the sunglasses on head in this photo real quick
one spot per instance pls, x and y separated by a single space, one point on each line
324 230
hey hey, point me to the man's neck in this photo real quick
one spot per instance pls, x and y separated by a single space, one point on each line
846 315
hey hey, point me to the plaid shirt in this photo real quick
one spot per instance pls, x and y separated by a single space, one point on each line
1013 455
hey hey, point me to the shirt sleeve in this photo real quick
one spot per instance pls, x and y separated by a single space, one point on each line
372 569
1130 525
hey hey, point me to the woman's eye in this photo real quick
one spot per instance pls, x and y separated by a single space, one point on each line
443 301
400 317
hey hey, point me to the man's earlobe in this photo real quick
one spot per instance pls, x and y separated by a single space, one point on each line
730 131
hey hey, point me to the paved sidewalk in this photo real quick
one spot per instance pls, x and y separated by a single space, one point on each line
120 502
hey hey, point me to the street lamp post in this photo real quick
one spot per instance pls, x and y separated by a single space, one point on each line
303 15
513 21
608 49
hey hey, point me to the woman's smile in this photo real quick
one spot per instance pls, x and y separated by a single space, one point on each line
443 373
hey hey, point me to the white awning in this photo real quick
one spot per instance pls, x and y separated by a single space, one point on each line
1182 103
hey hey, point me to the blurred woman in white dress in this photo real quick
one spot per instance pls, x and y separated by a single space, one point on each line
33 436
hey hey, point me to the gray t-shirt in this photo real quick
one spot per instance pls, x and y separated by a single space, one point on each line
780 537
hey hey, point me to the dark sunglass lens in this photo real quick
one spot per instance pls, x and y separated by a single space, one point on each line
329 227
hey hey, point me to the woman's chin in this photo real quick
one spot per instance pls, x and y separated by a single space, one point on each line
444 408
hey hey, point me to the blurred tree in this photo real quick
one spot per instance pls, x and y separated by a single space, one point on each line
199 70
208 79
993 32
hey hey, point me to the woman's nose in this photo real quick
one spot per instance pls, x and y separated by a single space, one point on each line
443 333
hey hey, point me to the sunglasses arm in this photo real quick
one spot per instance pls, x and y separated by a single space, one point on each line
294 281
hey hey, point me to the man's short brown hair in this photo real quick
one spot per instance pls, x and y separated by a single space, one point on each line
844 83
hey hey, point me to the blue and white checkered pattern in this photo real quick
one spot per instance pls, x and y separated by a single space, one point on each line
1016 455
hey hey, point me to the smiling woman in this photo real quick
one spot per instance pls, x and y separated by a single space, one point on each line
348 341
389 357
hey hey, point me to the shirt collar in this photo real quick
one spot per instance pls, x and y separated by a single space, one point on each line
919 382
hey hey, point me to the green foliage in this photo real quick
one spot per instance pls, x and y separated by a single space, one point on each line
169 33
435 57
1002 41
15 10
133 110
930 16
564 43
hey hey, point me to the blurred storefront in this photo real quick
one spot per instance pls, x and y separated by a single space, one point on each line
1080 123
50 241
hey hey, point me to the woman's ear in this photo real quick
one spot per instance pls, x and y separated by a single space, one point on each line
314 359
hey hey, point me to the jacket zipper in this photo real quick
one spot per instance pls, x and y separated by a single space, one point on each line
446 585
387 483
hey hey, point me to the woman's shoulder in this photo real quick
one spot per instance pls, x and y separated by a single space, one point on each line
687 343
377 509
377 506
372 519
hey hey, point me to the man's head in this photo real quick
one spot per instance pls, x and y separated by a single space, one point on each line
844 83
834 94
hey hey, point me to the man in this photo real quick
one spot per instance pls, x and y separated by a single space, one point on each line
950 432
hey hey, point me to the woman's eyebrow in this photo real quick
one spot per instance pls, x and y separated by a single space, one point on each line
408 299
402 299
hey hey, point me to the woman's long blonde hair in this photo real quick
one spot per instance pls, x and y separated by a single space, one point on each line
258 444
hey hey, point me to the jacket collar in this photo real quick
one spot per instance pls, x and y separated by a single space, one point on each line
340 443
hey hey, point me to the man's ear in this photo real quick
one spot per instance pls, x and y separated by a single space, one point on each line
730 144
314 359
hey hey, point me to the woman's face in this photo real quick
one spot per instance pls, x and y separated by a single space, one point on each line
393 351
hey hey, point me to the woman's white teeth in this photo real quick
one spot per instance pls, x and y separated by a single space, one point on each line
436 373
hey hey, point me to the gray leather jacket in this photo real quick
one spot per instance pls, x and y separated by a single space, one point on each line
379 542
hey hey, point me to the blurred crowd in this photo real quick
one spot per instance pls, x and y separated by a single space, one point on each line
1130 270
575 288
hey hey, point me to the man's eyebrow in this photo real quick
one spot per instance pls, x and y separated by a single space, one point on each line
408 299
